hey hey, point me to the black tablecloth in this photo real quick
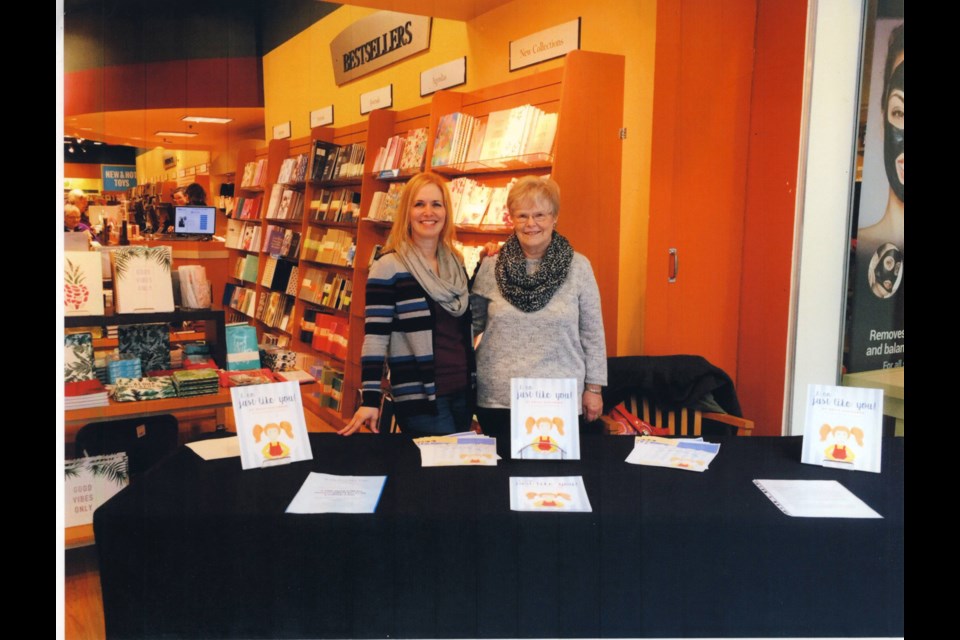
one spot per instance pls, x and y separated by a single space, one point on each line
203 549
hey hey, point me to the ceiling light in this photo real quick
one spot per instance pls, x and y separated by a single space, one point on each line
206 119
70 149
176 134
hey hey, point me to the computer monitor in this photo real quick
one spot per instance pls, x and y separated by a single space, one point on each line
194 221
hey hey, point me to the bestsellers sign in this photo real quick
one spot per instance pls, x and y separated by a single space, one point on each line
545 45
373 42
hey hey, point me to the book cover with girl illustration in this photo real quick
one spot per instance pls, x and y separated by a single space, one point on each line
543 419
270 424
844 427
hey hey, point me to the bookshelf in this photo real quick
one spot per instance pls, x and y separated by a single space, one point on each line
585 161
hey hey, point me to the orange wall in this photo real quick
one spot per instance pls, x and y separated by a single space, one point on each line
81 170
727 102
769 218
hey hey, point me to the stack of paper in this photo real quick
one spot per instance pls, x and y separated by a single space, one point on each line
325 493
458 449
690 454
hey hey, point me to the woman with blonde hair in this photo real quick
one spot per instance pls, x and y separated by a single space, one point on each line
538 306
418 320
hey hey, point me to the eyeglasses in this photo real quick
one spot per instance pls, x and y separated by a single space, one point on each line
523 218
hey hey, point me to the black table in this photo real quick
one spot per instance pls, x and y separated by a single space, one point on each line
203 549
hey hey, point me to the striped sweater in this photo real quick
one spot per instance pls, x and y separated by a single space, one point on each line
399 333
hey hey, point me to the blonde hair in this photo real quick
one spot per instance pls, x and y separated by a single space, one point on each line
400 235
534 189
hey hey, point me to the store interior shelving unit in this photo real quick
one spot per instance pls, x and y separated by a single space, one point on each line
587 94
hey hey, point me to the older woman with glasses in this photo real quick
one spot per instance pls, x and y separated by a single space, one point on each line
538 306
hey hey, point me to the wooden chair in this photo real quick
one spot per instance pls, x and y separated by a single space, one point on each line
684 422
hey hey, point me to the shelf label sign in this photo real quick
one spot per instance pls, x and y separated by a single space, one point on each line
376 41
381 98
118 177
548 44
281 131
444 76
322 117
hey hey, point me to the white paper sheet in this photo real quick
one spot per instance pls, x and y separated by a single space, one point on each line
815 499
549 494
325 493
216 448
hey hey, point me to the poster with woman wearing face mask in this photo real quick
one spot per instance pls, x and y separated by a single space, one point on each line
877 334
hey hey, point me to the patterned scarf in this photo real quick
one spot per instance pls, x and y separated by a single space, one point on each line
449 287
531 293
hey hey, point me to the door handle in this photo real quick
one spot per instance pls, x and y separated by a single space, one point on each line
673 265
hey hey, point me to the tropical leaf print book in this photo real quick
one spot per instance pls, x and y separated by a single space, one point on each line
270 424
843 427
141 279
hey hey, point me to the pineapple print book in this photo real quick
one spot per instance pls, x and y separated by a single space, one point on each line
270 424
149 342
82 283
142 281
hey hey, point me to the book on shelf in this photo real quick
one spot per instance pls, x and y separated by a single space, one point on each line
291 245
280 277
78 361
248 266
268 270
307 324
322 154
233 234
287 239
82 283
333 160
293 282
414 150
274 205
273 242
443 145
293 170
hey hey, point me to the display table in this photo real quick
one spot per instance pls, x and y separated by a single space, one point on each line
204 550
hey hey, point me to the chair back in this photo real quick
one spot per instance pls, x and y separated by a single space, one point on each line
685 422
145 440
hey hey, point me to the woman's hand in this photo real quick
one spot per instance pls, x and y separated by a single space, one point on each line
364 416
592 406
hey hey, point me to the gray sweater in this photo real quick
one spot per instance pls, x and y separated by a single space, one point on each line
563 340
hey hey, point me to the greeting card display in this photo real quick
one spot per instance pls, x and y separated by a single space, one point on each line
270 424
543 419
141 279
844 427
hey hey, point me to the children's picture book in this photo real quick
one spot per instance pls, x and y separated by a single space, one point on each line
270 424
556 494
543 419
326 493
90 482
843 427
82 283
141 279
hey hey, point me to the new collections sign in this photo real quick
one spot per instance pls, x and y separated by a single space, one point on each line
373 42
118 177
